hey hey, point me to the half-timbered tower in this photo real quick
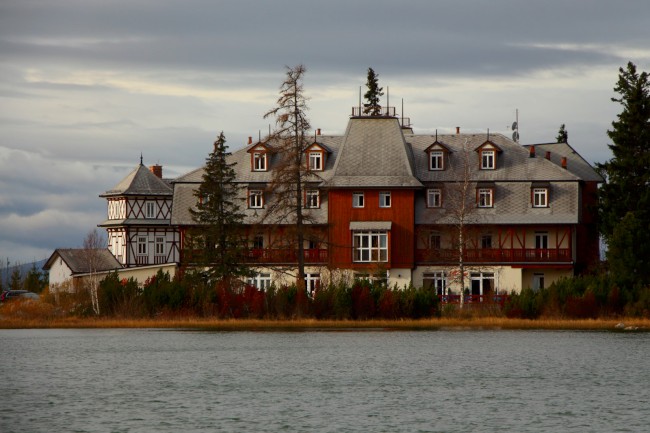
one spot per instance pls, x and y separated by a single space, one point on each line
139 215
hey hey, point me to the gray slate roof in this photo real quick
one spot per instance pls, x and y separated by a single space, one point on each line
576 164
77 260
141 181
374 154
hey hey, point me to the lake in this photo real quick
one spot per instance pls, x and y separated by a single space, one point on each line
134 380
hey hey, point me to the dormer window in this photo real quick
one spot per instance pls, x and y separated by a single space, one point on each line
259 161
436 160
437 154
488 160
315 161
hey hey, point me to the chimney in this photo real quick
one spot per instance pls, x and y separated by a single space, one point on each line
548 155
318 131
564 164
532 151
157 170
458 130
250 140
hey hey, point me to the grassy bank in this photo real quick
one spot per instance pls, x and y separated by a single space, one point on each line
486 323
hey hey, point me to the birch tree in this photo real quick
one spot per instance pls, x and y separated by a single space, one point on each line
93 243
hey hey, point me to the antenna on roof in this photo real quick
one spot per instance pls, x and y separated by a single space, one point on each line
259 135
436 134
515 127
141 158
488 134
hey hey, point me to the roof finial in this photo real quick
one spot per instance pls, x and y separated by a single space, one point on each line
141 158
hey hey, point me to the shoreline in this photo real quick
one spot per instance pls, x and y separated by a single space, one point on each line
193 323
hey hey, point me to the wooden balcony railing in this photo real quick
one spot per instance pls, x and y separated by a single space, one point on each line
496 255
275 255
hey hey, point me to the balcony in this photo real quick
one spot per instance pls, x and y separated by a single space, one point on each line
276 255
496 255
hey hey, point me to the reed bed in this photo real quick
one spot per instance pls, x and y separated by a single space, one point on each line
479 323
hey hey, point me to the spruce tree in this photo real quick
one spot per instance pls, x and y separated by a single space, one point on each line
562 135
217 241
374 92
627 187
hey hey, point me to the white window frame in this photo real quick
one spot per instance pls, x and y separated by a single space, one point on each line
434 197
312 282
261 281
358 199
256 199
143 244
488 159
259 161
485 197
384 199
540 197
538 281
438 280
312 199
160 246
436 160
370 246
150 209
316 161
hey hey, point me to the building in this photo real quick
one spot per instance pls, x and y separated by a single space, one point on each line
67 265
383 202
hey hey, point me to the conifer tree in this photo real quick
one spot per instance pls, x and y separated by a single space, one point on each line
290 173
562 135
374 92
627 187
217 242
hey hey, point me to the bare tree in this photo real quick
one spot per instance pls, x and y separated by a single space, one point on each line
460 209
94 242
290 173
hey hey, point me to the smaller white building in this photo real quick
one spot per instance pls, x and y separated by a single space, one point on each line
66 263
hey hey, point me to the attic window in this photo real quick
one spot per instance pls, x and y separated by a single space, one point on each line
436 160
488 159
485 195
316 161
259 161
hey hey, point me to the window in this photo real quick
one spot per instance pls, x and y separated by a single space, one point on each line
384 199
312 283
538 281
312 199
370 246
150 209
485 197
357 199
258 242
142 246
436 280
434 198
540 197
315 161
486 241
160 246
259 161
436 161
482 283
487 160
434 241
260 281
256 199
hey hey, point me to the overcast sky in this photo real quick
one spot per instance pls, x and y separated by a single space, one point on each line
86 86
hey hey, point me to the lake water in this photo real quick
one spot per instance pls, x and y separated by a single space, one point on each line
323 381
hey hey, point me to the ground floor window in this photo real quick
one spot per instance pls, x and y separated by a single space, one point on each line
482 283
437 280
312 282
378 277
142 246
371 246
261 281
538 281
